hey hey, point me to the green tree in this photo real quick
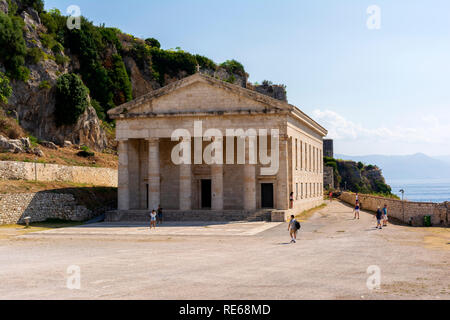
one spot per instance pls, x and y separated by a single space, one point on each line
360 165
5 88
121 84
152 42
71 99
13 49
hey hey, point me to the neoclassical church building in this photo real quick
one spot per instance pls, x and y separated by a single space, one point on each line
240 186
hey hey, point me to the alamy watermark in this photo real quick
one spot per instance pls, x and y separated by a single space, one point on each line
374 19
374 280
246 147
73 281
74 18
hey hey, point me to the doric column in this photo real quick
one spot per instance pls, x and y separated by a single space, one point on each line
185 187
123 183
249 182
282 178
217 186
154 179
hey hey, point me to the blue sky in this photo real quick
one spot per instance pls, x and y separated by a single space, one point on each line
380 91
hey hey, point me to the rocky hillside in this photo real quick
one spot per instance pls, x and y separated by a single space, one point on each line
58 83
358 177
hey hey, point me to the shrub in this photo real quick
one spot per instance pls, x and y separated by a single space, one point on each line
172 62
152 42
233 66
360 165
85 152
45 85
61 59
98 109
110 35
5 88
71 99
57 48
121 84
37 5
34 141
13 49
35 54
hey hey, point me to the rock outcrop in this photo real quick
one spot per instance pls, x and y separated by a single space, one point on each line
35 104
22 145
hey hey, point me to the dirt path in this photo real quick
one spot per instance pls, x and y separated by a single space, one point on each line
330 261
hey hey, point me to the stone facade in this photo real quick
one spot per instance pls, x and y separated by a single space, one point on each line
12 170
40 207
405 211
148 177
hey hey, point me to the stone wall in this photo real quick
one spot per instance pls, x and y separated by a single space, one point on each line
11 170
405 211
40 207
328 177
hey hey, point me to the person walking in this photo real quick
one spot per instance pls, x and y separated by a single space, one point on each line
293 228
160 215
385 216
379 217
153 219
331 196
357 197
356 210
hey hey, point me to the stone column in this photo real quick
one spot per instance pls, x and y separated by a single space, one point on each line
249 182
185 187
282 177
123 183
217 186
154 179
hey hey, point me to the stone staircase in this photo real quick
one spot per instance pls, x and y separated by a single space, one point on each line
195 215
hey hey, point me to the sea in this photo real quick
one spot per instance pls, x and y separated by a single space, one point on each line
424 190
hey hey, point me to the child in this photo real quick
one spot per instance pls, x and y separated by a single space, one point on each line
153 219
357 208
379 216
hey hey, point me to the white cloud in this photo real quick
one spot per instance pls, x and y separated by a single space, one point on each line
416 133
429 129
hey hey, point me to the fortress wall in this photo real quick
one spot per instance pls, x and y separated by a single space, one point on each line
404 211
12 170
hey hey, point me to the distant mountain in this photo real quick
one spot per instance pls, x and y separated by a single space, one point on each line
417 166
443 158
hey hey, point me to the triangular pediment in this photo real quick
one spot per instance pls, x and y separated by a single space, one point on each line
199 94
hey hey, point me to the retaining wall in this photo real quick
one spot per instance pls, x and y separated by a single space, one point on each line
405 211
40 207
13 170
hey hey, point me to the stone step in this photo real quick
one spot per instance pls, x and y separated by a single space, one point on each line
200 215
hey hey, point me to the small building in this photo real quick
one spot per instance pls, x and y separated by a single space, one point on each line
191 119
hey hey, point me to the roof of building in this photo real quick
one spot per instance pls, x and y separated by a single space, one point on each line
125 110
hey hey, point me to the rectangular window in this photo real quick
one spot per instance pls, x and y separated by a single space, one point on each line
296 191
300 155
306 156
310 158
302 195
296 154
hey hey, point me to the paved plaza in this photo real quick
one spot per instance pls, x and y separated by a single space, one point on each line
229 261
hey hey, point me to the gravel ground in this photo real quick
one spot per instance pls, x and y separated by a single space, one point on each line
230 261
